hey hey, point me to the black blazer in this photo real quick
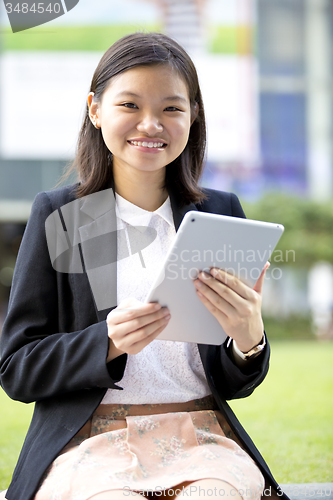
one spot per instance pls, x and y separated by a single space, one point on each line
54 343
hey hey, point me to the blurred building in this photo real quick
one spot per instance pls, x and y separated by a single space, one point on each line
295 40
294 52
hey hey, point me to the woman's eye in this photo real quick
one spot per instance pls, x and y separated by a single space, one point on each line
130 105
172 108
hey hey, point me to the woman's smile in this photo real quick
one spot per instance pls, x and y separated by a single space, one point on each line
147 145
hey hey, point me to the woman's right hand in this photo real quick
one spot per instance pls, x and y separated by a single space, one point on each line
133 325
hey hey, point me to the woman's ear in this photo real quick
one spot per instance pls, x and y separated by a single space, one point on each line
194 112
93 110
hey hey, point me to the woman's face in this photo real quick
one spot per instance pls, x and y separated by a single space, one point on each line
145 118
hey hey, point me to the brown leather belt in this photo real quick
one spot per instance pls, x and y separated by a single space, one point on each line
120 411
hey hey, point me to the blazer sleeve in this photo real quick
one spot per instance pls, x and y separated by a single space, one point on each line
40 355
233 382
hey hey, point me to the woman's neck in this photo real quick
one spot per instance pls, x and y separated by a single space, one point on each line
143 189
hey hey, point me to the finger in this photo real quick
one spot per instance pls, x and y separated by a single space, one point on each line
129 302
134 342
140 344
232 282
260 282
214 299
219 314
134 324
234 298
121 313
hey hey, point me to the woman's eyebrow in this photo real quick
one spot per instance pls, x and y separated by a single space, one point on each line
176 98
127 93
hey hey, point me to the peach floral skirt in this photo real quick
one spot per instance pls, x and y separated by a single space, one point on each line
150 452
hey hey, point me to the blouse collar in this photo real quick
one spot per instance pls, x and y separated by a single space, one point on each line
136 216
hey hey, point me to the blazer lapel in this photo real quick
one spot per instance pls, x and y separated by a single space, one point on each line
98 241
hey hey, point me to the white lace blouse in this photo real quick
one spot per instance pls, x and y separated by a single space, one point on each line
164 371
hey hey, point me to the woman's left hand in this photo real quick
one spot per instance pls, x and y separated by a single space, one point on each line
235 305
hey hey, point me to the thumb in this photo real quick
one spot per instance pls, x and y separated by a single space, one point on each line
259 284
129 303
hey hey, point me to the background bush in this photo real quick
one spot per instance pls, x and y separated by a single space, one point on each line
308 226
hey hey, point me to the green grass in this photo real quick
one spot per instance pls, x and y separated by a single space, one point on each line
14 422
289 416
222 39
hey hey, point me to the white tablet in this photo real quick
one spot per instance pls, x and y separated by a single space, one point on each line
240 246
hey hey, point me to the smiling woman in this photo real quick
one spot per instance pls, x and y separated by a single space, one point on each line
167 430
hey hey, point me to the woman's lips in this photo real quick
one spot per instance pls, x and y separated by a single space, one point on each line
148 145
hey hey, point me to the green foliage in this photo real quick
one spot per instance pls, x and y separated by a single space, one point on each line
289 328
308 226
231 40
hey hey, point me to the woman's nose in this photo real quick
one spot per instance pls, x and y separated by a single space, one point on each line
150 125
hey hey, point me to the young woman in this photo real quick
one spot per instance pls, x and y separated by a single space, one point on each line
117 412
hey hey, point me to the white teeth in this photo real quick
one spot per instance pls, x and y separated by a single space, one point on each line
148 144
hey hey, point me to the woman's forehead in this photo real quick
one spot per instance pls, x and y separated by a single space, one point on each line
161 78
